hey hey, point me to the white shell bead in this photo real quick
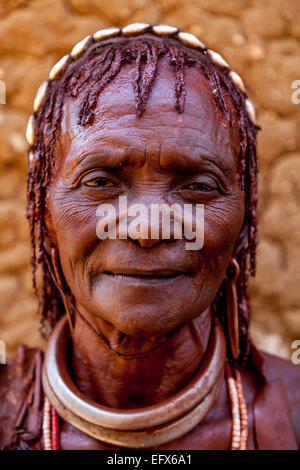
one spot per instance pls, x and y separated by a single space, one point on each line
162 29
39 97
237 81
217 58
80 47
250 110
58 67
106 33
135 28
30 156
30 130
190 40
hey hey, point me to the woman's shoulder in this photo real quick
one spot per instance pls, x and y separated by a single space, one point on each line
21 399
288 373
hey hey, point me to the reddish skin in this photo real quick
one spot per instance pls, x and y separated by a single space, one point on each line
144 158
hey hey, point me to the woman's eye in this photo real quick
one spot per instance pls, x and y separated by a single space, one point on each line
98 183
200 187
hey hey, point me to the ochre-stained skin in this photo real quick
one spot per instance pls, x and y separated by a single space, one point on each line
138 292
160 157
85 79
150 298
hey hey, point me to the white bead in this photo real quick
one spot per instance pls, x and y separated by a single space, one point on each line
237 81
30 156
39 97
135 28
58 67
250 110
217 59
106 33
30 130
190 40
80 47
162 29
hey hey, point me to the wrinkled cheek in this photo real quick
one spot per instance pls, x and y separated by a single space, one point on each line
219 242
75 230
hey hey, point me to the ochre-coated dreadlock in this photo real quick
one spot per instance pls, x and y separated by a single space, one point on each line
86 78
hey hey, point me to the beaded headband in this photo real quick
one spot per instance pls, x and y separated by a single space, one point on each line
131 30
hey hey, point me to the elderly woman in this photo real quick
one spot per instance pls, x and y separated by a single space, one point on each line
151 346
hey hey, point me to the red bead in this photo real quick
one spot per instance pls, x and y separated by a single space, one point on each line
55 429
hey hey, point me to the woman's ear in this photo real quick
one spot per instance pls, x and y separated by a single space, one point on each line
50 238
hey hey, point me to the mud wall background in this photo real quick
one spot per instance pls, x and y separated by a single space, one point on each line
260 40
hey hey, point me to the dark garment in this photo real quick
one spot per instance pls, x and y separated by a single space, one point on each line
21 401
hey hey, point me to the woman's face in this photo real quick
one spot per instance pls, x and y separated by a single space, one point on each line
145 287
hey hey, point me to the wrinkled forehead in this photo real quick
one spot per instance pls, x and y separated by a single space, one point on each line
201 123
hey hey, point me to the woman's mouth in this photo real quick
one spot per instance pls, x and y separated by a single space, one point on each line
137 276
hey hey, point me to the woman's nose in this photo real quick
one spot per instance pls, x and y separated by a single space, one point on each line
151 232
148 221
147 242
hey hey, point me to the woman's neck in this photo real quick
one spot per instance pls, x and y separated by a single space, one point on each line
135 372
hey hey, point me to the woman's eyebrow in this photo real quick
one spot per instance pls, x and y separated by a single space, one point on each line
194 158
108 157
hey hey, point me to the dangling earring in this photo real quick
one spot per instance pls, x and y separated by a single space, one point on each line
234 382
232 309
58 279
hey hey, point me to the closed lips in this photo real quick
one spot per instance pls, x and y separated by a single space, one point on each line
143 277
157 273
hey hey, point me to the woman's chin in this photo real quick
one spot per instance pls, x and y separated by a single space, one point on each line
141 320
144 307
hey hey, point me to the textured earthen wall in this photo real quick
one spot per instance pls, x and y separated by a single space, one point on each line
261 42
